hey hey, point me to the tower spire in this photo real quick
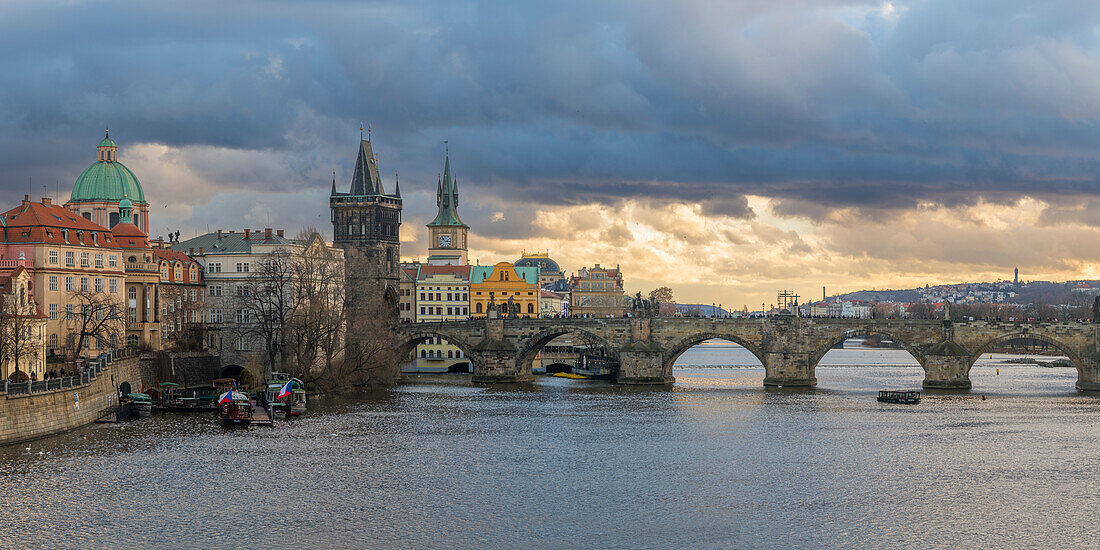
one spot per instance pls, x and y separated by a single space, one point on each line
396 185
333 183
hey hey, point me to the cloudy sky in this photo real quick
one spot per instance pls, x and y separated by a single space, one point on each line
728 149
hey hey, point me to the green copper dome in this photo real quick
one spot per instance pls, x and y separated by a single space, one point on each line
107 181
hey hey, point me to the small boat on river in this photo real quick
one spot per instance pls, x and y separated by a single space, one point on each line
297 398
140 404
235 407
904 397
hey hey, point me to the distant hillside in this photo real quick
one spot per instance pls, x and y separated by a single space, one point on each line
902 296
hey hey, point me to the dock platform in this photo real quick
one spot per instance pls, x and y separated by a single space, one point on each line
260 417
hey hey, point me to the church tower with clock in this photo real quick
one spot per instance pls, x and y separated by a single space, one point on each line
447 233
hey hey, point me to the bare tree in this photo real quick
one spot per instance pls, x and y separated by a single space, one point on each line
94 315
313 337
366 357
20 339
269 300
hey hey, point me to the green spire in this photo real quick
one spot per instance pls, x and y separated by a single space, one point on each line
447 200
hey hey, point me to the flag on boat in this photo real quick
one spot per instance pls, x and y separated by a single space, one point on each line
285 391
226 397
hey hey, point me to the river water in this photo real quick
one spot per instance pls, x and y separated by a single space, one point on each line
715 462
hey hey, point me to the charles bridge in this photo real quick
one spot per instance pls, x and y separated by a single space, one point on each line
502 350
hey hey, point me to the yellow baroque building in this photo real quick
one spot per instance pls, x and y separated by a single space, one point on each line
499 284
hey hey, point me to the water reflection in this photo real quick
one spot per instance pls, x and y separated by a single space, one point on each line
717 461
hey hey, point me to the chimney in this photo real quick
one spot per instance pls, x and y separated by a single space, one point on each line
219 234
267 233
279 232
26 200
46 201
190 251
200 251
246 234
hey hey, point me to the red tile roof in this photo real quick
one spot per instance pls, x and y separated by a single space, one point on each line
34 222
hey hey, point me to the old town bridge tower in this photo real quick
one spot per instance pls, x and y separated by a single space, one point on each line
366 223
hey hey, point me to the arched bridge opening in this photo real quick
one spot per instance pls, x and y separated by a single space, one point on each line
711 350
1026 355
436 352
869 357
568 349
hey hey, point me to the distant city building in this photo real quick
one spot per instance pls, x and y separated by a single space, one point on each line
229 259
439 293
597 292
499 284
67 255
549 271
102 186
552 304
182 300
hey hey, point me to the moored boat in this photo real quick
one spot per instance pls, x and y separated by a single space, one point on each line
235 407
594 367
904 397
296 399
140 404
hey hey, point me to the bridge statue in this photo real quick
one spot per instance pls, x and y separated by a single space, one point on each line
789 347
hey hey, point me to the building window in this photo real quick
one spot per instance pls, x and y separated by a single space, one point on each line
84 259
99 260
242 267
53 256
53 282
131 293
53 311
478 306
132 340
242 316
214 268
98 284
114 285
164 272
422 310
70 312
112 261
84 284
133 314
215 316
70 258
243 344
216 290
70 284
54 340
530 308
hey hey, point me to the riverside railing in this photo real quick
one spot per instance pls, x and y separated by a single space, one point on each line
94 369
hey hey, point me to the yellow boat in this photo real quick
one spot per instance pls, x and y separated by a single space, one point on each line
570 375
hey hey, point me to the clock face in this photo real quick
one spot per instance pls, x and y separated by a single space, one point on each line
444 241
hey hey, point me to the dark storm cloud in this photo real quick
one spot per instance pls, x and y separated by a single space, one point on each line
828 103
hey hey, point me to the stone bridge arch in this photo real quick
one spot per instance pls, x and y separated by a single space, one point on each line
676 349
864 331
1076 357
410 340
530 347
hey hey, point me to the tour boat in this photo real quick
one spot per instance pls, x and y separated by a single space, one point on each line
569 375
594 367
905 397
237 409
297 394
140 404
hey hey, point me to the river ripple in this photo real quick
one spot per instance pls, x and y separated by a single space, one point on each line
717 462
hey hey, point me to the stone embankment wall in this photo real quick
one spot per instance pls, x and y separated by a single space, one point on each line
26 417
